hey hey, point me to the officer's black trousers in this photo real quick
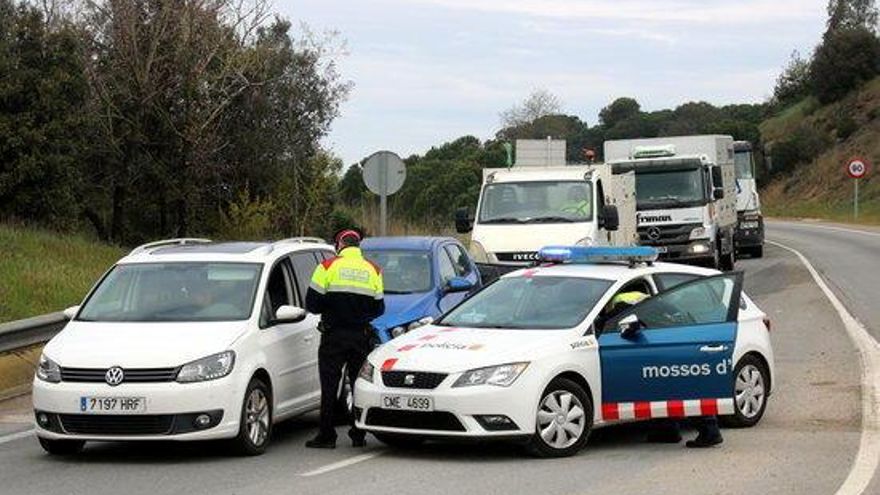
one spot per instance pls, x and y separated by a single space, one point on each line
340 347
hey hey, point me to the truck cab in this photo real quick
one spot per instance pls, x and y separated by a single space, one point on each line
524 208
685 195
750 222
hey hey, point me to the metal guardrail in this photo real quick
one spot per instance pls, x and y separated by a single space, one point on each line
37 330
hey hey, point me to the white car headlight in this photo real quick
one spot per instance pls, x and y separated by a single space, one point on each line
698 233
367 371
208 368
48 370
502 375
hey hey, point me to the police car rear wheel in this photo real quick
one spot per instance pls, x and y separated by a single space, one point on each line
564 420
750 393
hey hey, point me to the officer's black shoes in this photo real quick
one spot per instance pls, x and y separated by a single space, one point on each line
320 442
664 436
358 439
704 441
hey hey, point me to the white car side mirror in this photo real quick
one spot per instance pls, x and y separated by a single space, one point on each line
71 312
289 314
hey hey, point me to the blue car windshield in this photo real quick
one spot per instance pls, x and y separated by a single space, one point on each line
540 302
403 271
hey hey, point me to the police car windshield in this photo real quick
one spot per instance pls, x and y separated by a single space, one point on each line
537 202
539 302
403 272
670 188
154 292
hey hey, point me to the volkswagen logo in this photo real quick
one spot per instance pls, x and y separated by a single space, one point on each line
653 233
409 380
114 376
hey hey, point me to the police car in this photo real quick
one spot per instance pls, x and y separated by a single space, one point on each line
542 355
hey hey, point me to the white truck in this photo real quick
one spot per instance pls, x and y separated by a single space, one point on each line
750 222
685 195
541 201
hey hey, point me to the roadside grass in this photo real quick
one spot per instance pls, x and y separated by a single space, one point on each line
869 214
788 120
42 272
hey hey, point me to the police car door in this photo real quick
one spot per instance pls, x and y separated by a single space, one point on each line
671 355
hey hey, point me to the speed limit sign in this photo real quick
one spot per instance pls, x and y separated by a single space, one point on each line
857 168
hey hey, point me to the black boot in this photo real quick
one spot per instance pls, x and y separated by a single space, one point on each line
703 441
321 442
358 438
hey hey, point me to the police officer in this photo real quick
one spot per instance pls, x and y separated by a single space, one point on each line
347 292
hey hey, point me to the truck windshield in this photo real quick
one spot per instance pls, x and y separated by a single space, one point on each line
403 272
743 162
152 292
543 302
537 202
670 188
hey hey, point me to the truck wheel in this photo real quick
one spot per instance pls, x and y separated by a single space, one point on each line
757 251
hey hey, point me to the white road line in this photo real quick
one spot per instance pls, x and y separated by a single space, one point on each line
868 457
16 436
829 227
343 463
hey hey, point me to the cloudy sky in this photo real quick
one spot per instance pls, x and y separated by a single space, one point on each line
427 71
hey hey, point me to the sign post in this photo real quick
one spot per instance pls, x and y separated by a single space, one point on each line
856 168
384 174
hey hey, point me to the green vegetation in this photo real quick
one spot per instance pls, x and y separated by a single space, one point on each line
44 272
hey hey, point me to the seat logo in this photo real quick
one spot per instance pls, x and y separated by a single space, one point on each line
114 376
409 379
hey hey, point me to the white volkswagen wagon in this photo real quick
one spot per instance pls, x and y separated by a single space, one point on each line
185 339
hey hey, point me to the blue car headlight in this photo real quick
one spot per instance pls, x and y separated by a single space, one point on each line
402 329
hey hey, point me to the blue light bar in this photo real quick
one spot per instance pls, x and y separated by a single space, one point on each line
597 254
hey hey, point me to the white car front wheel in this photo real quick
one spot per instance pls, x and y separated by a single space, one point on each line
564 420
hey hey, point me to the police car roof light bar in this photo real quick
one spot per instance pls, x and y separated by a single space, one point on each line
598 254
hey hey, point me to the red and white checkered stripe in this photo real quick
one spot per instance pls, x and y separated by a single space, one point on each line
622 411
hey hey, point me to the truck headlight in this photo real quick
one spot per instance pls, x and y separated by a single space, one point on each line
48 370
367 371
502 375
698 233
208 368
479 252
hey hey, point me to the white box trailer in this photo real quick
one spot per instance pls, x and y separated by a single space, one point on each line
522 209
685 195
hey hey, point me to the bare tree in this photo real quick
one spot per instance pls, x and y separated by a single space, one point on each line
540 103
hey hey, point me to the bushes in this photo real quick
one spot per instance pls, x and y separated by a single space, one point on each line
846 59
801 146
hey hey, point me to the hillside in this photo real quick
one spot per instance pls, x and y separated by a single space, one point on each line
42 272
811 144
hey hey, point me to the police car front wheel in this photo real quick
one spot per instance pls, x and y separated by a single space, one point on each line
564 420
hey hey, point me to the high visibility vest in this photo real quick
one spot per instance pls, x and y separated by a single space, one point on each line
346 290
630 298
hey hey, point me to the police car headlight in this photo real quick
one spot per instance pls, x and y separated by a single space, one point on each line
367 371
48 370
502 376
209 368
698 233
397 332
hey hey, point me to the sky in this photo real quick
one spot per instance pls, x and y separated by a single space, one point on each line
428 71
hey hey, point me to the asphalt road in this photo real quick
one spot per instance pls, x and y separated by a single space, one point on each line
806 443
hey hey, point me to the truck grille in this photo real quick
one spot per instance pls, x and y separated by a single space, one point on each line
94 424
134 375
661 235
406 379
414 420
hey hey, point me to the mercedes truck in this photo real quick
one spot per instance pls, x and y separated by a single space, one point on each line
685 195
541 201
749 235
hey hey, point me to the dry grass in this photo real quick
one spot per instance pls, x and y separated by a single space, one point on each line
17 370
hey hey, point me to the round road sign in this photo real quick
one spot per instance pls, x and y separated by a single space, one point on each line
857 168
384 173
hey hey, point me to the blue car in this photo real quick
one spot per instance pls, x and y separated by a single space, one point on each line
423 276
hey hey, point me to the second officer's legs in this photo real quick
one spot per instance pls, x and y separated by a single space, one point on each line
357 354
331 358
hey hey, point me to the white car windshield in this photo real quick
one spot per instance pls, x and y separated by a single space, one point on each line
539 302
537 202
153 292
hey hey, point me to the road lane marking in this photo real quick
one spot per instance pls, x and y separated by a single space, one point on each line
829 227
868 457
343 463
16 436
